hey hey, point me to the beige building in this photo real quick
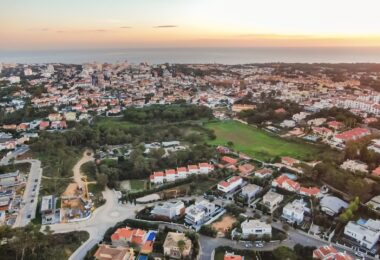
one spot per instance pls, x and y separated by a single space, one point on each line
171 245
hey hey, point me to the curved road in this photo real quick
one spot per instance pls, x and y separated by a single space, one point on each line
102 219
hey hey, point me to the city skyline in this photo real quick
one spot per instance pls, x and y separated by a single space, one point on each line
41 24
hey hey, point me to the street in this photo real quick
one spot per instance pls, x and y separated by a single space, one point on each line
30 196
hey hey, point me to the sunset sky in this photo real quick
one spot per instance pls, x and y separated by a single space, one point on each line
59 24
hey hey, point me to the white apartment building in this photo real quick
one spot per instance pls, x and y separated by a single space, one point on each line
255 227
170 209
364 232
250 191
271 200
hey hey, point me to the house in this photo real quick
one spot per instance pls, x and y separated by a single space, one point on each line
43 125
229 160
171 245
288 161
123 236
205 168
199 213
375 145
332 205
352 135
316 121
10 179
336 125
250 191
48 210
107 252
157 177
54 117
232 256
322 131
280 111
364 232
70 116
294 212
376 172
286 183
246 169
193 169
374 203
353 166
241 107
170 209
288 123
263 173
182 172
230 184
330 253
311 191
170 175
272 199
255 227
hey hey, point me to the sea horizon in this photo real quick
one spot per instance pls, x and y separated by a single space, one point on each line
209 55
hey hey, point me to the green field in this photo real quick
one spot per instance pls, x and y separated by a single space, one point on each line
137 185
113 122
258 143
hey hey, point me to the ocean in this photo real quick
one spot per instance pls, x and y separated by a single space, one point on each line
197 55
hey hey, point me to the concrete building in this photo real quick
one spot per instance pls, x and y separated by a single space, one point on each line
271 200
199 213
332 205
294 212
250 191
255 227
170 209
364 232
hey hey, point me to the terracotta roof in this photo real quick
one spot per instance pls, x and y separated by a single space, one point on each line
353 134
376 172
229 181
229 160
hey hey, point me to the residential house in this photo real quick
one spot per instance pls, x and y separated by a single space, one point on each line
286 183
352 135
193 169
328 252
205 168
246 169
48 210
332 205
232 256
311 191
230 184
336 125
263 173
255 227
199 213
168 209
171 245
272 199
353 166
364 232
242 107
294 212
229 160
249 191
107 252
288 161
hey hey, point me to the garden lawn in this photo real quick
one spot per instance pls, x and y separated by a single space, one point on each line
258 143
137 185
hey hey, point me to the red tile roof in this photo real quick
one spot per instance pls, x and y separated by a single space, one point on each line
376 172
353 134
229 181
229 160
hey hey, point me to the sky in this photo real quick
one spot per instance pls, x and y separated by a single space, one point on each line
76 24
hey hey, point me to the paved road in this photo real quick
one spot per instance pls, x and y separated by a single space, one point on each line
30 197
102 218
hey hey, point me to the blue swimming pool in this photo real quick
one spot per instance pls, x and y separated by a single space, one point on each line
143 257
151 236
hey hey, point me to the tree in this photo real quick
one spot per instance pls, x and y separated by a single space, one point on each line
102 179
181 245
284 253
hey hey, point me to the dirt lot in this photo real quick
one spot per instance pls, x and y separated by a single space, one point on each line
224 224
71 190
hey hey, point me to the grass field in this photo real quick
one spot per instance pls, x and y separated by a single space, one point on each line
258 143
137 185
113 122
